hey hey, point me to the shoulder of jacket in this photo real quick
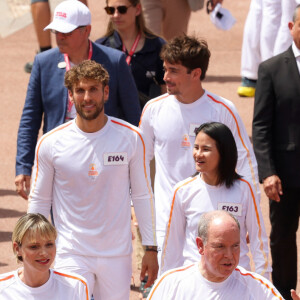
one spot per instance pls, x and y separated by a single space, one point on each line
7 279
155 102
123 125
219 99
69 278
109 52
185 183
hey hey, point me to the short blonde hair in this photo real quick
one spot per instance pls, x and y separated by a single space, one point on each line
32 224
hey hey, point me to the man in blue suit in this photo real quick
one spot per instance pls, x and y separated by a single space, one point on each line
47 98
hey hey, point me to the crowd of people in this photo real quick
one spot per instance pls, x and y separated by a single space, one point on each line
134 103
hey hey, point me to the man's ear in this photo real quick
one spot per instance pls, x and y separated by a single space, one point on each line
106 93
200 245
70 95
88 30
291 25
196 73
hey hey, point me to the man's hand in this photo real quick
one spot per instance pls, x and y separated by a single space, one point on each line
133 217
150 266
273 188
294 295
215 2
22 183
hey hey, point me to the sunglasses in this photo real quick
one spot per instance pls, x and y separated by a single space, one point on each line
122 9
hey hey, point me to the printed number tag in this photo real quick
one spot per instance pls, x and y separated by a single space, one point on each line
115 158
193 126
233 208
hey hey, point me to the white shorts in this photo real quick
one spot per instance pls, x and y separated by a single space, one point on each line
108 277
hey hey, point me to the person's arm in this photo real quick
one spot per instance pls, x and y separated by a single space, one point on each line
215 2
149 138
257 232
272 187
163 289
22 183
294 295
262 133
83 291
175 237
149 265
147 129
143 201
30 124
40 197
127 93
246 164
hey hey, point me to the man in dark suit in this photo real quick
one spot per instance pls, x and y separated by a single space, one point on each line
276 139
47 98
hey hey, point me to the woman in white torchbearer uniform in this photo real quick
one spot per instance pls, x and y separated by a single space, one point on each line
215 186
33 242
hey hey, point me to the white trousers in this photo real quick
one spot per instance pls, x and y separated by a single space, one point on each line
260 33
108 278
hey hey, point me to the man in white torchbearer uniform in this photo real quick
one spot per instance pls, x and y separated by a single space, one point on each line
89 169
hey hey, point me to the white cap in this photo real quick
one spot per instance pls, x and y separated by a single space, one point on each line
69 15
222 18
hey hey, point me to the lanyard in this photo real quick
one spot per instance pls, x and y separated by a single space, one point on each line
68 67
133 48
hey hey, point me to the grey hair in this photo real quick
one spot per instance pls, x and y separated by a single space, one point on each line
206 219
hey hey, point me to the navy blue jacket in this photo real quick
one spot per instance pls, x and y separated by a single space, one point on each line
48 97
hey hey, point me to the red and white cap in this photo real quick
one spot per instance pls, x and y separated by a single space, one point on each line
69 15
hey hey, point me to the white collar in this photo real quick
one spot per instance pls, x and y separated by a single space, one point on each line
296 50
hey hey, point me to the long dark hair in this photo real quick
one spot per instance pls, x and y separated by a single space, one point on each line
227 150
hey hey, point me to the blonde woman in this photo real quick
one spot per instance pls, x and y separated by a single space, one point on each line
33 242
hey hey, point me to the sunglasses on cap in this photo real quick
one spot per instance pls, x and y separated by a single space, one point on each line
122 9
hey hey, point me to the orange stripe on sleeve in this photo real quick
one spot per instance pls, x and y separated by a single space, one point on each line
170 220
38 149
8 277
145 172
146 106
239 133
261 247
262 282
76 278
164 276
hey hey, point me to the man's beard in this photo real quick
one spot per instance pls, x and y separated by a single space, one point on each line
89 117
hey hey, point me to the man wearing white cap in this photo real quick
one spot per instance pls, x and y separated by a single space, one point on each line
46 94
